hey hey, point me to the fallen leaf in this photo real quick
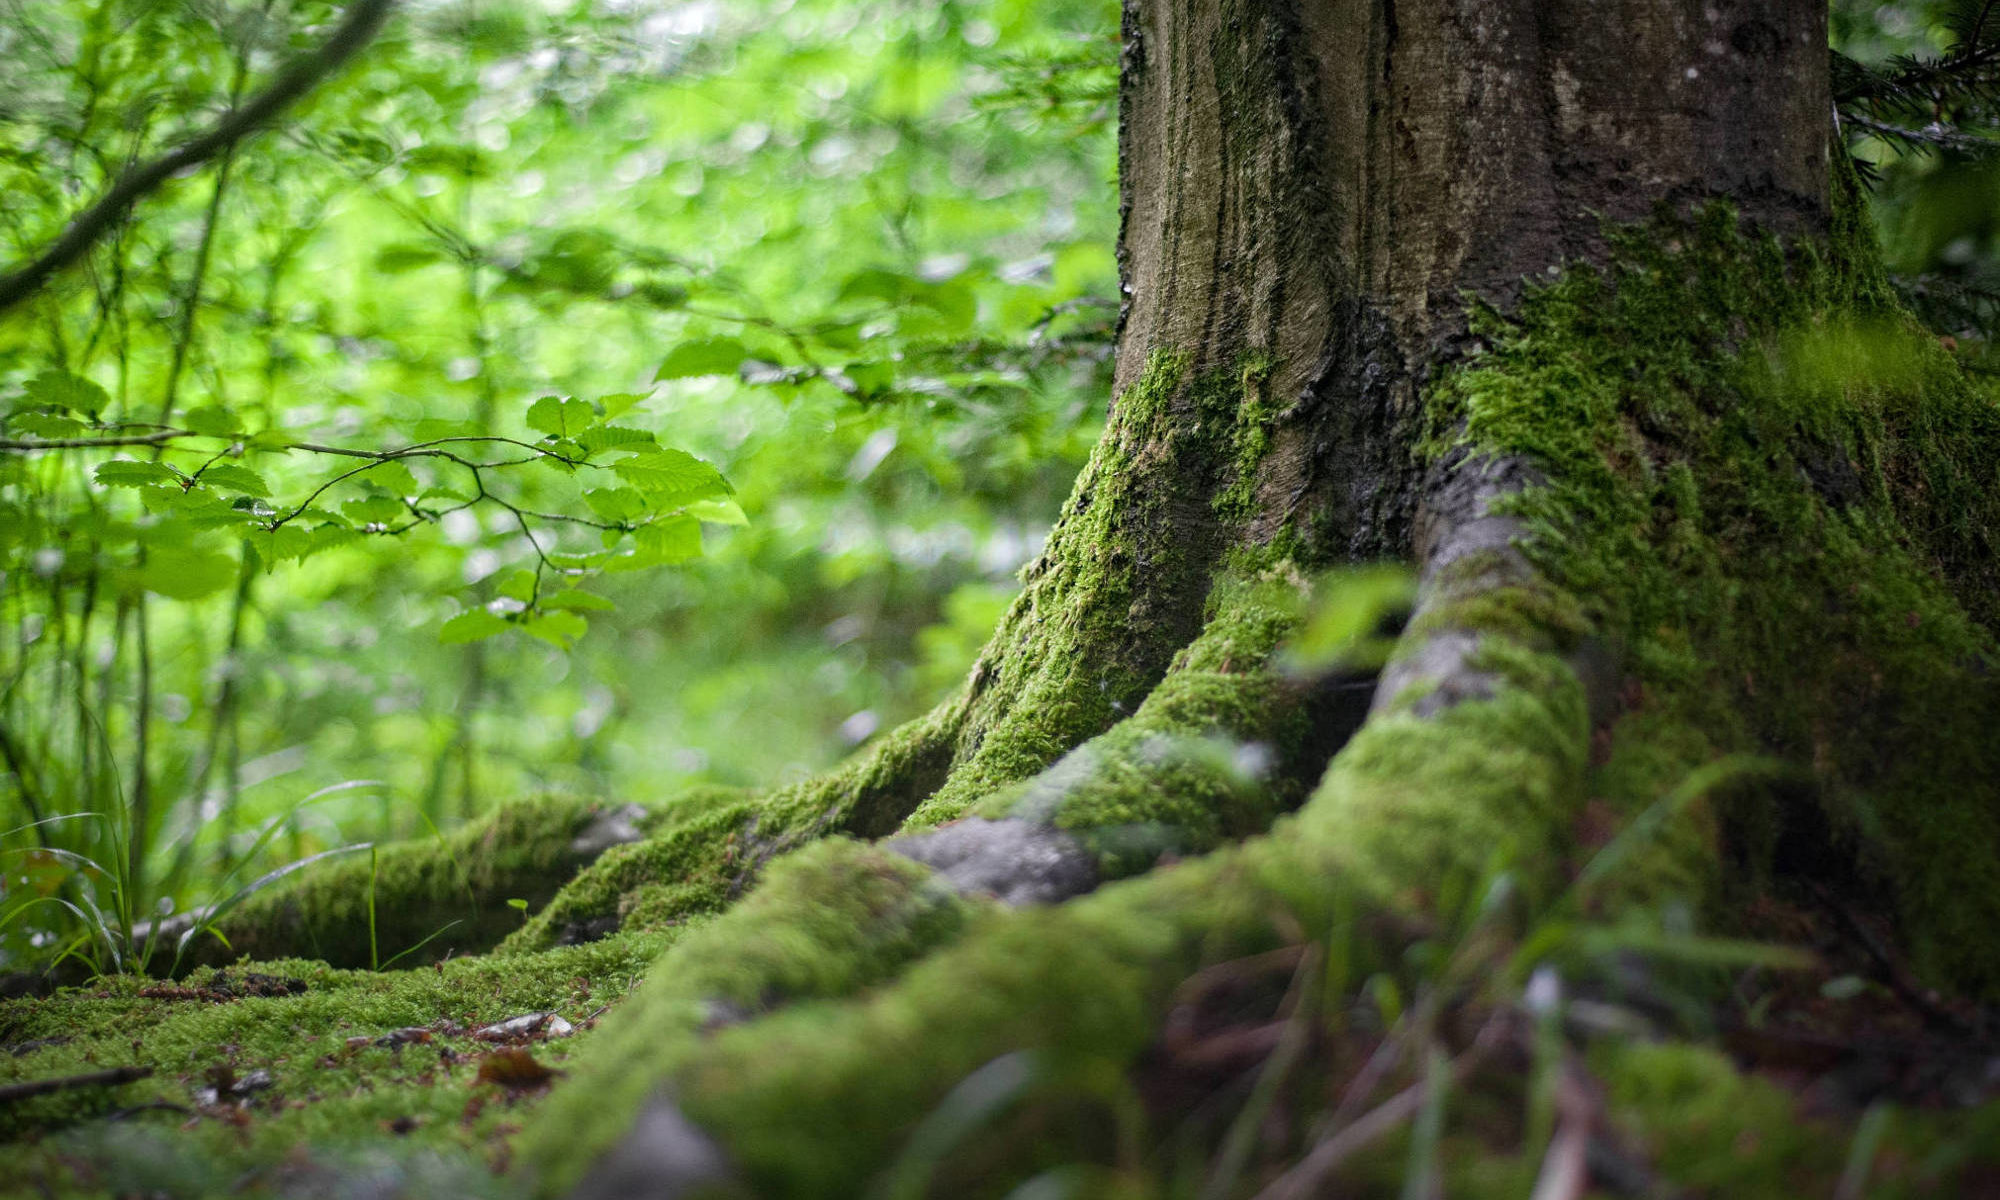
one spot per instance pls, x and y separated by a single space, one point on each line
514 1069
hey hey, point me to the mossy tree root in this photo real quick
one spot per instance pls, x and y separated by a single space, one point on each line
814 1099
417 901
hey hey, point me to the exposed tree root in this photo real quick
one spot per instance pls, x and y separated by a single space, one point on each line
810 1100
1657 674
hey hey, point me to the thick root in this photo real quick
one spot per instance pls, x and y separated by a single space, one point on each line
417 901
814 1100
711 843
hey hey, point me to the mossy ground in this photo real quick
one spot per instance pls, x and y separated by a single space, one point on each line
337 1102
1762 487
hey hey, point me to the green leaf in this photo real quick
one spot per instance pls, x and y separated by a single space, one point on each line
574 600
394 479
671 478
204 509
607 437
874 283
186 574
669 540
519 586
397 257
47 425
470 626
558 629
871 378
61 389
327 537
615 504
718 512
282 544
619 403
559 417
372 510
126 472
210 419
703 356
237 479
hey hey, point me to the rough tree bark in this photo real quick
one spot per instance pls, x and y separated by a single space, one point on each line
1569 304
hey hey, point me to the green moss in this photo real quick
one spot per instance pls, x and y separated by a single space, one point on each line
815 1099
329 1101
448 894
1707 1127
1778 494
710 845
827 921
1121 584
1220 747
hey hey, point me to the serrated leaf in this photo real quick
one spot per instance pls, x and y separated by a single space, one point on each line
703 356
61 389
372 510
282 544
668 540
126 472
160 497
329 536
47 425
558 629
575 600
615 504
718 512
559 417
470 626
619 403
562 455
186 574
607 437
671 478
237 479
204 509
519 586
394 478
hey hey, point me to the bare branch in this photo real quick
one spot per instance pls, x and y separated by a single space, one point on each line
364 18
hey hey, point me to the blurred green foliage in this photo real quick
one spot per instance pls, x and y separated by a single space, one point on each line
1918 84
795 315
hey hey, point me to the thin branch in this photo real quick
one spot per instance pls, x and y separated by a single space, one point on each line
42 1087
364 18
1929 135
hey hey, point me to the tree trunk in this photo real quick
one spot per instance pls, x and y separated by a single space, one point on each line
1571 306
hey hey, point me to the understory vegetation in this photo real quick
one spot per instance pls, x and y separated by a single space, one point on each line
504 568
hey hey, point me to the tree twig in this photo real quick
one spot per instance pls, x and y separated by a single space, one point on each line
364 18
65 1083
